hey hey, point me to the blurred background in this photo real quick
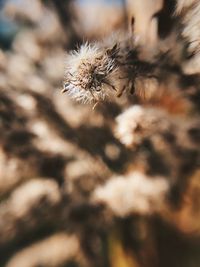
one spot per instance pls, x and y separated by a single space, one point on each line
54 152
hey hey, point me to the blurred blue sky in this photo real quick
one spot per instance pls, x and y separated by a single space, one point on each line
8 28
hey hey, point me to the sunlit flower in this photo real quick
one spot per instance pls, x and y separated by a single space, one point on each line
89 73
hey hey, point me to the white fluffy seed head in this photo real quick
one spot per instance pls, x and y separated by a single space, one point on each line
89 73
139 122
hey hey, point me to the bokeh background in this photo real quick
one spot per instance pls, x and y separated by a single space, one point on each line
55 152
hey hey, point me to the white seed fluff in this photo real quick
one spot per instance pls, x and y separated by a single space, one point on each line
88 73
138 122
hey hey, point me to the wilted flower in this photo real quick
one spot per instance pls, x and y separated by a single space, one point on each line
89 73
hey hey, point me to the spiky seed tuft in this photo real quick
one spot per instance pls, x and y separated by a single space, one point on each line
89 73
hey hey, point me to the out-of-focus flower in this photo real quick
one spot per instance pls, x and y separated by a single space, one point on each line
137 122
134 193
190 20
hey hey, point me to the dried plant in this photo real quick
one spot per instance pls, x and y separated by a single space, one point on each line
90 73
114 186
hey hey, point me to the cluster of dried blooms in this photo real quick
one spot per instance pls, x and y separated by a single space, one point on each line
117 185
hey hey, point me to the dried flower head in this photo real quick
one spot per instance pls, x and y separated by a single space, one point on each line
89 73
138 122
